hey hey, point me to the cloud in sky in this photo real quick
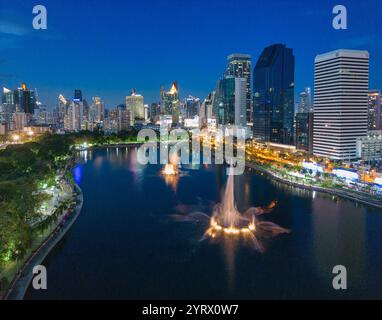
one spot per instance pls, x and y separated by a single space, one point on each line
12 30
9 27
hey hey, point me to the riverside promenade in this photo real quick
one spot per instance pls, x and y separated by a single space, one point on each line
22 280
340 193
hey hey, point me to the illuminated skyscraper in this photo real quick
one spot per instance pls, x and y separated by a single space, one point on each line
374 110
97 110
63 104
86 117
135 106
240 66
273 95
73 117
123 118
305 101
25 99
341 81
7 108
8 96
170 102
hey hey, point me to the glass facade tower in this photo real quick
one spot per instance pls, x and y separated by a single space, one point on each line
273 91
230 103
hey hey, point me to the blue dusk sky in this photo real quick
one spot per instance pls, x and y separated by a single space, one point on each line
108 47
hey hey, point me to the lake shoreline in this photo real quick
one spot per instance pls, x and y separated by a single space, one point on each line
353 197
20 284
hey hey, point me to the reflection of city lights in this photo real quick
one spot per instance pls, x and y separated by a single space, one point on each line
78 174
170 174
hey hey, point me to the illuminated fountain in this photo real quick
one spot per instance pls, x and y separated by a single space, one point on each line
227 222
170 169
170 172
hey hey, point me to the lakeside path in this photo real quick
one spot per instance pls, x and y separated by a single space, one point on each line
21 282
340 193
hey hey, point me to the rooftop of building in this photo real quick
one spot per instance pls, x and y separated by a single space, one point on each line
342 53
270 53
235 56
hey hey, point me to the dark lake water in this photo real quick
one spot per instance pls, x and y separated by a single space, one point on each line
125 245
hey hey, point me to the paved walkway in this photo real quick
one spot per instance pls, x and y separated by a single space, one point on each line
20 284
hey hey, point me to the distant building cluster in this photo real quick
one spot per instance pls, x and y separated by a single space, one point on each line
341 119
20 108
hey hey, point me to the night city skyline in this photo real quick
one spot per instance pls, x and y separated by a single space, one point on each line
191 157
105 49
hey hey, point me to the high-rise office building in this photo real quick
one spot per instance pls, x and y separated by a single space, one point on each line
86 117
230 101
304 131
146 113
305 101
73 117
374 110
192 106
240 66
123 121
8 96
25 99
135 106
77 95
206 109
7 107
110 124
154 112
170 102
341 80
63 104
97 110
273 95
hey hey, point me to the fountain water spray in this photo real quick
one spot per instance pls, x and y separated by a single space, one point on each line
227 221
171 168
